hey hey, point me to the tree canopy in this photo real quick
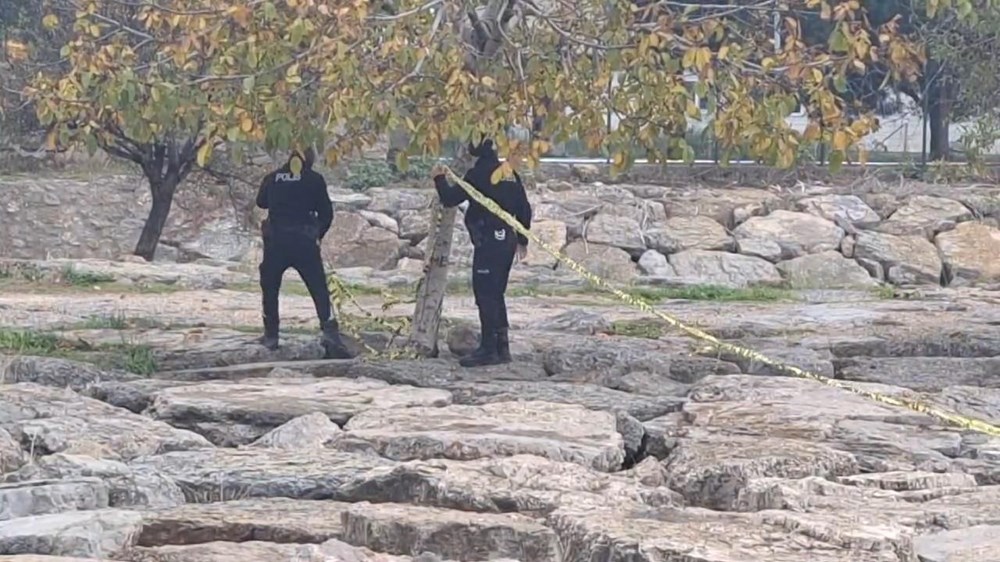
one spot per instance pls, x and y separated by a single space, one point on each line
343 72
164 83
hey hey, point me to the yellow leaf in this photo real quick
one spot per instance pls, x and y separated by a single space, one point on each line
825 11
812 132
723 52
50 21
618 160
841 141
693 111
246 124
51 139
488 81
502 172
204 153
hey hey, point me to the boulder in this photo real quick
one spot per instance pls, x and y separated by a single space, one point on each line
698 232
209 408
798 234
43 497
303 432
561 432
826 270
391 201
279 520
925 216
760 248
414 226
837 208
654 263
381 221
724 269
608 262
58 420
102 534
971 253
616 231
553 233
904 259
354 242
127 488
453 535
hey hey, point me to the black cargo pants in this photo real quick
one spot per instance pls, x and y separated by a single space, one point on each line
295 248
492 260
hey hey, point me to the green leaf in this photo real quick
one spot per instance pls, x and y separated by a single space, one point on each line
836 161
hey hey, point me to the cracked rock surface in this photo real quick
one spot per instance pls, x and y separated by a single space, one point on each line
610 438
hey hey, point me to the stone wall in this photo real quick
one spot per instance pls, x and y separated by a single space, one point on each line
809 236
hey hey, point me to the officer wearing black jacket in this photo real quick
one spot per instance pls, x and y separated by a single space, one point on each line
495 246
299 215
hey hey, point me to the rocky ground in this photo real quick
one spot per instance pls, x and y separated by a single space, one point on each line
139 422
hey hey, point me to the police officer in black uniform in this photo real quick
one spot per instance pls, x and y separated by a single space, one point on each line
299 215
495 247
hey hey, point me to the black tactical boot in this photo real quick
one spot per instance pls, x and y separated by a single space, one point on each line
485 354
333 345
503 345
270 337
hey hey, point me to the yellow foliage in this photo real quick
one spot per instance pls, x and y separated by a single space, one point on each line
349 71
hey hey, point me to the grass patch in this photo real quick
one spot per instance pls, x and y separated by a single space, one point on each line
645 328
28 342
657 294
884 292
138 359
71 276
712 293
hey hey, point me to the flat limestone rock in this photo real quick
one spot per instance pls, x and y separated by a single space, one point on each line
559 432
259 551
59 420
264 404
923 374
105 533
980 543
459 535
11 455
712 471
59 373
278 520
308 431
520 483
41 497
212 475
127 488
44 558
254 551
632 534
590 396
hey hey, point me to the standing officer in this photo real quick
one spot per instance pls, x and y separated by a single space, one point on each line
299 215
495 245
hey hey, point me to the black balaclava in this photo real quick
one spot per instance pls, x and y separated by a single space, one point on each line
308 157
484 150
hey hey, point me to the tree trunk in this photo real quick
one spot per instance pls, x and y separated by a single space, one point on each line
434 285
163 197
939 113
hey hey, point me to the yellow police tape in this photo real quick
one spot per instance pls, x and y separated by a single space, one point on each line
915 405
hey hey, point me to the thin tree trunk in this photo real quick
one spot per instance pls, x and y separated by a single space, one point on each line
434 285
163 197
939 112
